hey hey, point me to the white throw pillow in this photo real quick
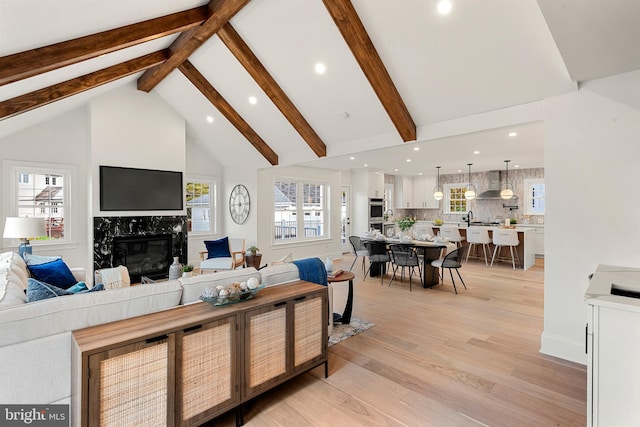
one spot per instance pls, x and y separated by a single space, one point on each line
12 285
112 278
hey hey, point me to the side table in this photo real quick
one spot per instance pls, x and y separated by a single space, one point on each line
252 260
345 318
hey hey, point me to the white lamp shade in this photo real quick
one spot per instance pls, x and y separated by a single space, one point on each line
438 195
23 228
469 194
506 193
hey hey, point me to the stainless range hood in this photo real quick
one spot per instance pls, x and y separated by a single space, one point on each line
493 192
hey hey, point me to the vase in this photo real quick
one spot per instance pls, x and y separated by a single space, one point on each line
175 269
187 273
328 264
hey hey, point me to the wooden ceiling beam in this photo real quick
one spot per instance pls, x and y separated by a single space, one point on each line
41 97
201 83
348 22
254 67
220 12
30 63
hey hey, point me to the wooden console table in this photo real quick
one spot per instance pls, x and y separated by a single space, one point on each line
189 364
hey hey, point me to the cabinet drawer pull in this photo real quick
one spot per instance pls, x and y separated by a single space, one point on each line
279 304
158 338
193 328
301 298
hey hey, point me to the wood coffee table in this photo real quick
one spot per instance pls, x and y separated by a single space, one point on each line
345 318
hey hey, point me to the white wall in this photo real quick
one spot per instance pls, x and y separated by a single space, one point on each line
592 150
271 251
132 128
63 139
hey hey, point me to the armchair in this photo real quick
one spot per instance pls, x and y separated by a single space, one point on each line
222 254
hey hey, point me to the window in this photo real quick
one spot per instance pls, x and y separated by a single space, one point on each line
300 210
534 196
454 199
44 191
201 205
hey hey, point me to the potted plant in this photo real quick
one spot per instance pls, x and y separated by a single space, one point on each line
187 270
253 250
405 223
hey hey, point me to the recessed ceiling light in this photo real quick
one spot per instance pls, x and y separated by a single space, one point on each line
419 173
365 165
444 7
476 152
408 160
517 166
320 68
459 170
512 134
253 100
210 119
396 170
352 158
416 148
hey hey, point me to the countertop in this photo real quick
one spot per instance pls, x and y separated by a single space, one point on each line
519 227
599 290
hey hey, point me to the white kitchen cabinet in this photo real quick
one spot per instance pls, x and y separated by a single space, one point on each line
404 191
376 185
423 193
613 348
538 245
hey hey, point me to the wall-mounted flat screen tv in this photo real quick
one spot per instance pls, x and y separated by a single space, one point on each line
130 189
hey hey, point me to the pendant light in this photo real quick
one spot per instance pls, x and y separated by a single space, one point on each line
438 192
470 194
506 190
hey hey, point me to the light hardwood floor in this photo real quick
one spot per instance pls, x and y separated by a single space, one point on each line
436 359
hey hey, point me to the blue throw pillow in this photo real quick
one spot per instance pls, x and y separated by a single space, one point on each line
54 273
37 290
31 259
218 248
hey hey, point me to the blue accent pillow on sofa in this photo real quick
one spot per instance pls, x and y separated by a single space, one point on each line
218 248
54 273
37 290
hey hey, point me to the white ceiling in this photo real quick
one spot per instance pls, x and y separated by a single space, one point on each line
484 56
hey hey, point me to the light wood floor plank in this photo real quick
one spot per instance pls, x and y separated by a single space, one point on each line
435 358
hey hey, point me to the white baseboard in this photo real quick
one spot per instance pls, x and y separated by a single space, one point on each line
559 347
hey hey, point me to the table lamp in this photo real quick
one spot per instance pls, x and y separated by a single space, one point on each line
24 229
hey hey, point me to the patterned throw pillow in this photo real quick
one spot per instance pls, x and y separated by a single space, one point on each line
37 290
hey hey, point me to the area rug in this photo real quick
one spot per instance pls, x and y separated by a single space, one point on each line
342 332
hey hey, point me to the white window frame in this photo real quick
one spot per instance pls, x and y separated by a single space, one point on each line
300 212
447 198
12 171
528 195
214 187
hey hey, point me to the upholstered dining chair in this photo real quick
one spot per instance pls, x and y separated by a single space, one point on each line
403 256
359 250
377 252
453 261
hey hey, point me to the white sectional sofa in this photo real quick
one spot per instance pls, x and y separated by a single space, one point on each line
35 338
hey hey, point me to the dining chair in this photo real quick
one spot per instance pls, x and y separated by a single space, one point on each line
503 237
451 233
359 249
478 236
453 261
403 256
378 254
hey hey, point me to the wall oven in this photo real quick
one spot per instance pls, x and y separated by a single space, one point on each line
376 210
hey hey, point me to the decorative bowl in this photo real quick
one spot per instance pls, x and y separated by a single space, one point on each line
232 299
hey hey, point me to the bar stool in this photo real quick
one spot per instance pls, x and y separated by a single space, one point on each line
452 234
505 237
478 236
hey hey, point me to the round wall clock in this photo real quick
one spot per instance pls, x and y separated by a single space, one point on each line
239 204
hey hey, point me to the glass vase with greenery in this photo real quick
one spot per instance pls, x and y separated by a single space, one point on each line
405 223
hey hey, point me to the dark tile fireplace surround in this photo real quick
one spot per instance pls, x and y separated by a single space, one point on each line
135 229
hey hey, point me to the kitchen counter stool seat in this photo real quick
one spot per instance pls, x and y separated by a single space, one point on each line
504 237
479 236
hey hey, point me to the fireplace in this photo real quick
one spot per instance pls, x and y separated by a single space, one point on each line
124 241
148 255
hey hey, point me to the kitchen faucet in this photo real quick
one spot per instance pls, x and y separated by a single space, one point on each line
469 218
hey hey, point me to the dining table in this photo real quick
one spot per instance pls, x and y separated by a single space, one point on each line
430 251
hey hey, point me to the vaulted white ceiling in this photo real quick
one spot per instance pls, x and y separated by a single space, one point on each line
484 56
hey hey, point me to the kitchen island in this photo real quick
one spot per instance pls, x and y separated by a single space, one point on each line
526 237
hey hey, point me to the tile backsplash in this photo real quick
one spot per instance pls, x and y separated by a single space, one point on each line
484 210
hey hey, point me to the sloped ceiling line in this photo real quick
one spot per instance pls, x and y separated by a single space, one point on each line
259 73
37 61
220 12
201 83
355 35
47 95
